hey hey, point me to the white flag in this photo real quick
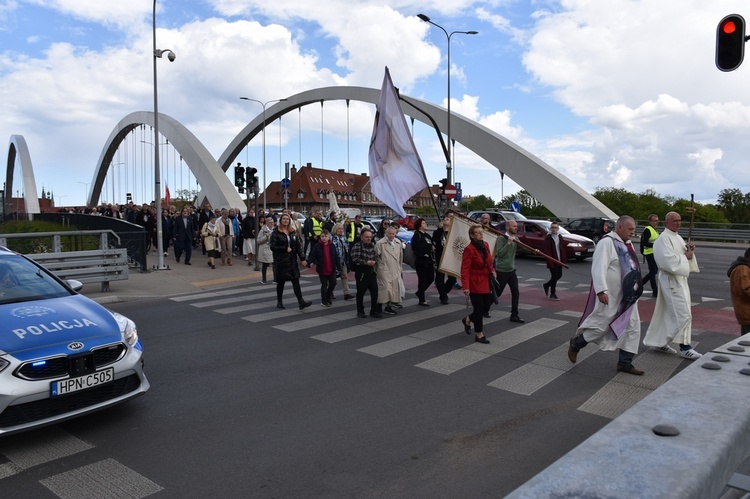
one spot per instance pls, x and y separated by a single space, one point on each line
396 171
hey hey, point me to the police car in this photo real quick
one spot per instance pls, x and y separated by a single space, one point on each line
61 354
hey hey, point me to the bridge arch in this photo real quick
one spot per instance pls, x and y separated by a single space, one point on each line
553 189
17 149
214 183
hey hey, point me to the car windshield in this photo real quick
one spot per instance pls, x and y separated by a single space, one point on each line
21 280
546 225
514 215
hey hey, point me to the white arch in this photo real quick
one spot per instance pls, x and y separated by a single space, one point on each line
553 189
216 187
18 149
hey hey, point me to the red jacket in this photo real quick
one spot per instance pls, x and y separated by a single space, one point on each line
548 248
475 272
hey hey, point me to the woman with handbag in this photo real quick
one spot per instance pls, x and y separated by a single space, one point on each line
476 270
421 244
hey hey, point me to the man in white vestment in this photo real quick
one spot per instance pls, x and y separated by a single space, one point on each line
611 318
673 320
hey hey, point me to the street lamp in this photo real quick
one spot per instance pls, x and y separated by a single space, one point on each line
448 36
86 193
264 104
157 176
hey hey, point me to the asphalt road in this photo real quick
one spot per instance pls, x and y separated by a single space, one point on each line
250 401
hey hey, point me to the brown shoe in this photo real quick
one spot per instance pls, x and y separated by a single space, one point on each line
629 370
229 263
572 354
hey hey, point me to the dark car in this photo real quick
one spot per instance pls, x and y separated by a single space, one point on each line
533 232
593 228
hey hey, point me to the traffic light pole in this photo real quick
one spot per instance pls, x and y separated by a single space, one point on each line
255 223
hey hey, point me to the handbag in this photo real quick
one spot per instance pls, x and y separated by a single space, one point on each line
495 289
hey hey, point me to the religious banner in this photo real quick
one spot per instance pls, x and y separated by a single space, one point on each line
457 239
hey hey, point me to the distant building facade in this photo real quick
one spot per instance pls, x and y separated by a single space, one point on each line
310 189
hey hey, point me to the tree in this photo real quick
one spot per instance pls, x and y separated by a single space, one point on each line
735 205
530 206
476 203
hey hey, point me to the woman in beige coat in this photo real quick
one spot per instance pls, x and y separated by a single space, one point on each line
226 236
265 255
210 234
390 263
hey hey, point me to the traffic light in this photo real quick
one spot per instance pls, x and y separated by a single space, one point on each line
239 178
443 185
252 179
730 42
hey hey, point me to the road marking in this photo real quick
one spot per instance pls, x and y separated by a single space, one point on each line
38 447
464 357
414 340
246 307
625 390
543 370
106 478
388 322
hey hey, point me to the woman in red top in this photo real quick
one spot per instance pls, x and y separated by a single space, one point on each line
476 267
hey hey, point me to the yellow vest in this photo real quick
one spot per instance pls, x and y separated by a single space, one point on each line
652 235
317 226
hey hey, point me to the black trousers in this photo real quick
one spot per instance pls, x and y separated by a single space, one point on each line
511 279
443 285
425 277
327 285
653 273
185 245
555 275
366 281
481 304
625 359
295 285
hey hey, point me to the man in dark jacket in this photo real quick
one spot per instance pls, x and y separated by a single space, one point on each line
184 235
364 259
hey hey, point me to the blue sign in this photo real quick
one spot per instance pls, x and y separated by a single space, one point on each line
458 194
515 206
285 183
458 186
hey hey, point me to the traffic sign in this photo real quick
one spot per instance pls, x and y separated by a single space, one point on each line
450 191
459 196
285 183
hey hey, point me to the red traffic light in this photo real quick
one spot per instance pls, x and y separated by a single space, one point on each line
729 27
730 42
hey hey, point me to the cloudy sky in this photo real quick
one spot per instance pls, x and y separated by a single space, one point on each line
616 93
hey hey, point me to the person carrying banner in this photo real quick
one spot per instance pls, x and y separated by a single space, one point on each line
611 317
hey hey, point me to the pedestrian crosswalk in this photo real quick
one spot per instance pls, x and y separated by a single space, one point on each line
414 327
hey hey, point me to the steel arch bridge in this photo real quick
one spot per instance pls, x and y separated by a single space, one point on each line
557 192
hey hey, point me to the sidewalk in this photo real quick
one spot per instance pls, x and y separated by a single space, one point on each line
178 279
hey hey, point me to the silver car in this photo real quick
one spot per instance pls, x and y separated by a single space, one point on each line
61 354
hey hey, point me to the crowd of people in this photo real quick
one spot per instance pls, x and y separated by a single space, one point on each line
337 247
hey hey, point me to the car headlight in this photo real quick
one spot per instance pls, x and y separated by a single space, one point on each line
3 364
127 328
575 245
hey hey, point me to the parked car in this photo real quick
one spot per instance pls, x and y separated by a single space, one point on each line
407 221
62 355
496 216
533 232
593 228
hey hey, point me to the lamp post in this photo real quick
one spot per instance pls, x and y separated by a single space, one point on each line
157 176
86 192
448 37
264 104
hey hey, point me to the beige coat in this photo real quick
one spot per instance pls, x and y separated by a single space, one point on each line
390 263
210 240
265 255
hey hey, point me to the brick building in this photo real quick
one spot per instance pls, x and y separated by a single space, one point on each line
310 187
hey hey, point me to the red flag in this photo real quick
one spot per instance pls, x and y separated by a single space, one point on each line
168 197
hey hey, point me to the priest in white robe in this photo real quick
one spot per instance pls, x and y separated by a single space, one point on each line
611 318
673 319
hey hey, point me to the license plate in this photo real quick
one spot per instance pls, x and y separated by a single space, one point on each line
71 385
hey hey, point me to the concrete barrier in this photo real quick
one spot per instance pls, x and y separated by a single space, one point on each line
709 407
